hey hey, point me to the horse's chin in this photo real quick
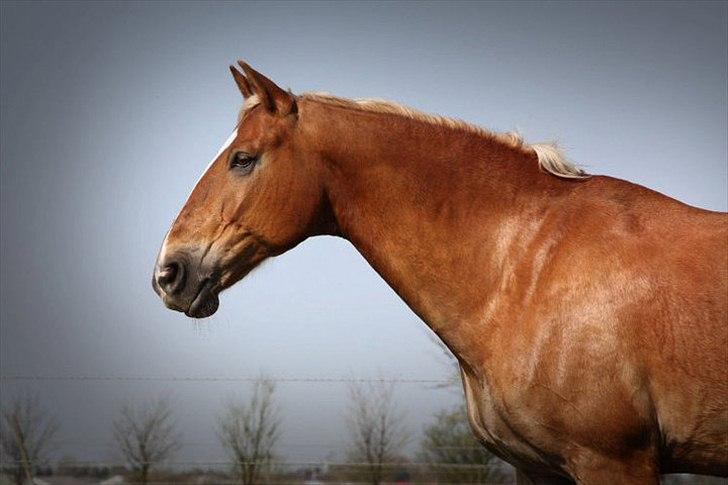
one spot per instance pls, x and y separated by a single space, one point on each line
205 303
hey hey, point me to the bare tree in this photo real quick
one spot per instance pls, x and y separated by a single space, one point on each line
26 432
249 431
453 453
377 427
146 436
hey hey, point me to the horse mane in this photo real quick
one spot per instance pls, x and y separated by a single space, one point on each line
550 158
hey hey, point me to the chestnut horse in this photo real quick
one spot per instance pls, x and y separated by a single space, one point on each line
588 314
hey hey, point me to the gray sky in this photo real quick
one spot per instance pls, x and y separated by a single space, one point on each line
111 112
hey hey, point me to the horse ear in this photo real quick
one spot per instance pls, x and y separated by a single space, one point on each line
242 83
275 99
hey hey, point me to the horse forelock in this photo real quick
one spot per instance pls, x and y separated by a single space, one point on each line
249 103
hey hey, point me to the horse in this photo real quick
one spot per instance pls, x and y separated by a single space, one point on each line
588 314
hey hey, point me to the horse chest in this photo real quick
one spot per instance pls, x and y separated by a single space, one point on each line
493 417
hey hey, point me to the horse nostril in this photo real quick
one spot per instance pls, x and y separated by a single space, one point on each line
167 275
171 278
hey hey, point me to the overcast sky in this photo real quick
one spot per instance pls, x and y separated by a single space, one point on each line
111 112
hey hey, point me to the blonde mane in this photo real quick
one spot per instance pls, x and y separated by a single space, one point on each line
550 158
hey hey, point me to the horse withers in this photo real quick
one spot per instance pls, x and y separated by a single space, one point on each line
588 314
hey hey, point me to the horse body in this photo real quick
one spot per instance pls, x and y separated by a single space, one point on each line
588 315
570 305
609 372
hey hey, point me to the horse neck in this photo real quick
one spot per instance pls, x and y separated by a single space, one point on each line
431 208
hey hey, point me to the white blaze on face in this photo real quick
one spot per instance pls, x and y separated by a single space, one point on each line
224 147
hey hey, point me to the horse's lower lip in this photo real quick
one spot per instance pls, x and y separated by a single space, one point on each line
205 303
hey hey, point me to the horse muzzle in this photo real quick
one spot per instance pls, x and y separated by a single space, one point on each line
185 284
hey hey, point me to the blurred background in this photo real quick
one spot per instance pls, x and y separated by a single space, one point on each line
111 111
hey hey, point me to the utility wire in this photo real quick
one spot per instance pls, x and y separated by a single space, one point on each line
91 377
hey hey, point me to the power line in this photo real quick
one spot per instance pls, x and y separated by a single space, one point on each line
294 444
91 377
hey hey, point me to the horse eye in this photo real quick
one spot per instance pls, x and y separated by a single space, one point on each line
243 161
